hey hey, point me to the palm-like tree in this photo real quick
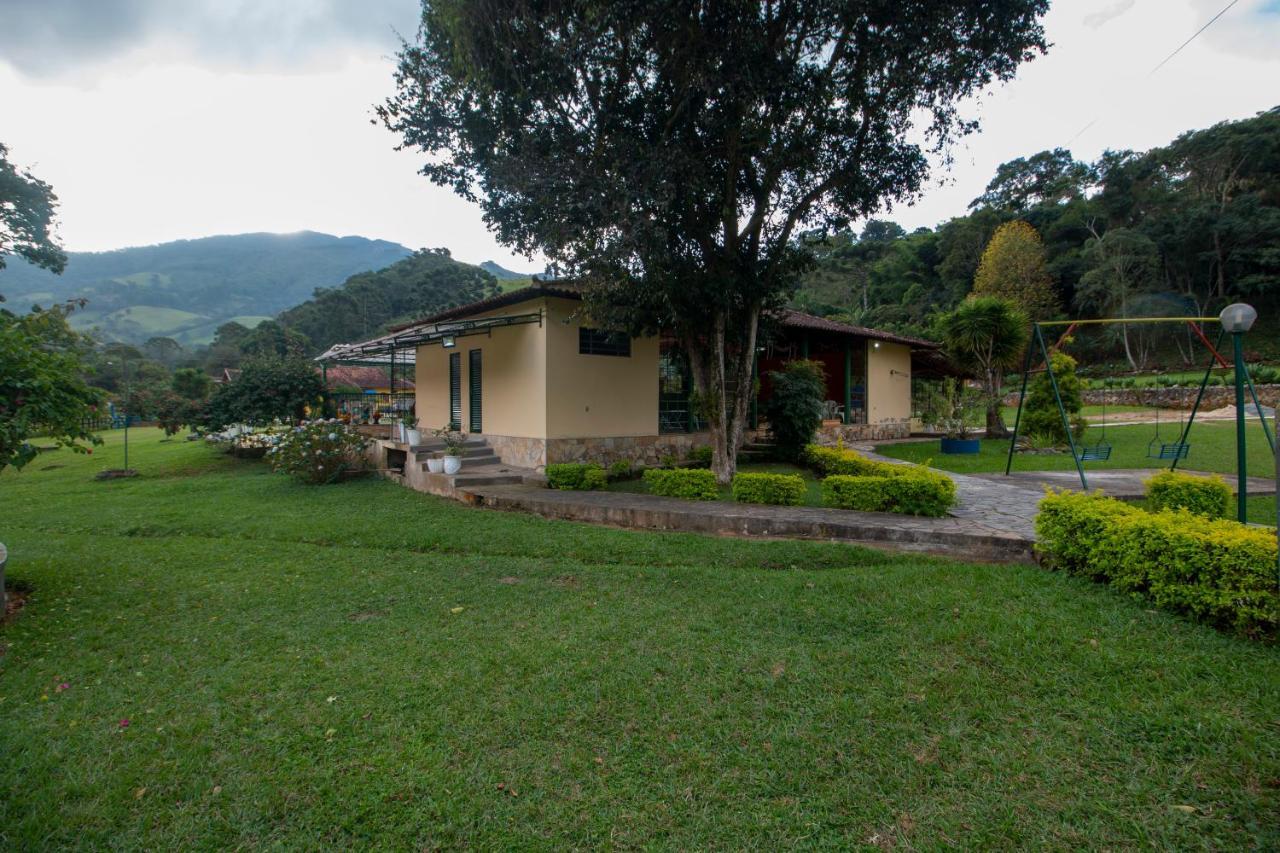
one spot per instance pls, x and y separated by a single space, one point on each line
988 334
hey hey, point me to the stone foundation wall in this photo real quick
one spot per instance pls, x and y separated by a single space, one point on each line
647 450
829 434
1215 397
519 451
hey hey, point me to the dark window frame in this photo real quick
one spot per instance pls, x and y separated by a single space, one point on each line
603 342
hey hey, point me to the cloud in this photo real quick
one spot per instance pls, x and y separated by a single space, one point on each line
1102 16
45 38
1250 28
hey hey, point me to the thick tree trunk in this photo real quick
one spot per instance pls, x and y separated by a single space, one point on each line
719 364
995 405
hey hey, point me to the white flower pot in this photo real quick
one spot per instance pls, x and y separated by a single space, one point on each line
452 464
435 465
413 437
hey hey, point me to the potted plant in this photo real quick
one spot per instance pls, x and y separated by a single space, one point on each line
435 464
453 444
958 409
409 429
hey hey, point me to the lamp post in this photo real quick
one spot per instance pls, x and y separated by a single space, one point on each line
1237 319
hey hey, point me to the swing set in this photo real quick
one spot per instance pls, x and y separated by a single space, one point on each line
1100 450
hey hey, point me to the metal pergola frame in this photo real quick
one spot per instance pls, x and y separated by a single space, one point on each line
1038 340
400 347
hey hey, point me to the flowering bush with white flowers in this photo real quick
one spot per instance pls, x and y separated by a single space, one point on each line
317 452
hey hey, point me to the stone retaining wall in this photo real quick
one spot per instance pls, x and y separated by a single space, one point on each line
1215 397
830 434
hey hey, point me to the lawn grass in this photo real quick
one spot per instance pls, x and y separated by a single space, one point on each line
812 494
1213 449
362 665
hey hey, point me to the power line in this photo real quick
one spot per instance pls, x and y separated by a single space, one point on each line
1163 62
1224 11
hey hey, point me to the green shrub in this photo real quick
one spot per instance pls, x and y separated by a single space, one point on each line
1218 571
693 484
794 407
576 476
315 452
911 491
776 489
621 470
919 491
1207 496
826 461
700 456
1040 414
863 494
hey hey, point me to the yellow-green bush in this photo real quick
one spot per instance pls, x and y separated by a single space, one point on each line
827 461
1218 571
576 476
910 490
1207 496
692 484
775 489
881 486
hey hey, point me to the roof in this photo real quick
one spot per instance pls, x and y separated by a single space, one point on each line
502 300
362 377
787 317
792 319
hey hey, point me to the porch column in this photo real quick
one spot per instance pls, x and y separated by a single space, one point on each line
848 383
804 347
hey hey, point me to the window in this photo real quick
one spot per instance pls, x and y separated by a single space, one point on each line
601 342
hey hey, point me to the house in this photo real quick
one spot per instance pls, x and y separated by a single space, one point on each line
530 372
367 378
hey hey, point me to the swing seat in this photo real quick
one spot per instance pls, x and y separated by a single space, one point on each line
1099 452
1175 450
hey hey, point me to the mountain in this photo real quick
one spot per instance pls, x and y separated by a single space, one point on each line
502 273
423 283
187 288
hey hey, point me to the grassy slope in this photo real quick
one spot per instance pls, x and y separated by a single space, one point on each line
296 671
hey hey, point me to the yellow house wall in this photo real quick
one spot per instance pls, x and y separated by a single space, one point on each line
888 382
597 396
513 366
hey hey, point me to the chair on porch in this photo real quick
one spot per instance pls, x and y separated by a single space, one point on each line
832 411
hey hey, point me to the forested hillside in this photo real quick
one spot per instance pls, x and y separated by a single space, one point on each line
185 289
423 283
1182 229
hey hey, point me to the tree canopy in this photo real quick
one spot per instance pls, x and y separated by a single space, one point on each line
669 153
28 209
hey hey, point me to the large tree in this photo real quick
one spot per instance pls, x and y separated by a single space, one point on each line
27 210
1014 267
987 335
668 153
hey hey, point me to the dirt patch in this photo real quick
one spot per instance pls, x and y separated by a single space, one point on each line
16 595
366 615
115 474
509 580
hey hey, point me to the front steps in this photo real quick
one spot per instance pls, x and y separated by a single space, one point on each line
480 467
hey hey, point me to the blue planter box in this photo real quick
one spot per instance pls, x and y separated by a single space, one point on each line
961 445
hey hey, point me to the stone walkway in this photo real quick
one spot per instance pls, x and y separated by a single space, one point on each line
1009 506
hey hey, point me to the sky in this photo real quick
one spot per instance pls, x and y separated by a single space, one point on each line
157 120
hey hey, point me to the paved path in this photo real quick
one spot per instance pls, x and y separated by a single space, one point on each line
1125 483
1009 506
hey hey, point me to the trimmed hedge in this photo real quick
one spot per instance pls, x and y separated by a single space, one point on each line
692 484
828 461
852 481
1217 571
774 489
576 476
1207 496
913 491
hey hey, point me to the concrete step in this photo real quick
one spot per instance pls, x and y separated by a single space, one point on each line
463 480
469 462
468 452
